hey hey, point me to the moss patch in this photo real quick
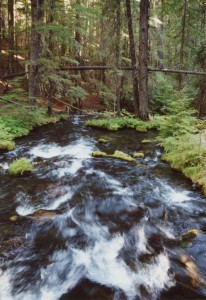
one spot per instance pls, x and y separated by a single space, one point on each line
117 154
146 141
139 129
7 145
99 154
103 141
20 166
138 155
122 155
190 234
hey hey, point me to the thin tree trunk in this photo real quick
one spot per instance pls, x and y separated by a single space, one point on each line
103 42
51 20
143 59
182 46
51 52
118 54
11 34
36 15
133 58
1 23
201 97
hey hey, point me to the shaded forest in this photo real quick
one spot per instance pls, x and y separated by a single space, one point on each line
130 42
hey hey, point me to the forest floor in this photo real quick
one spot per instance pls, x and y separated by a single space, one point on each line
93 102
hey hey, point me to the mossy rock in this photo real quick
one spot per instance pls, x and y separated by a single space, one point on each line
103 141
138 155
20 166
122 155
140 129
7 145
99 154
190 234
146 141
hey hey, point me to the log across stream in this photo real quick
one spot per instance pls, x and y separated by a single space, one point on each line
85 228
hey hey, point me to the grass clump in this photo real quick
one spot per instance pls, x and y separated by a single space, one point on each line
20 166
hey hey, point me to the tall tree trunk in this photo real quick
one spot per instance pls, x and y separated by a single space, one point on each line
201 97
36 16
103 41
118 54
77 34
11 35
1 25
143 59
182 46
51 20
133 58
51 53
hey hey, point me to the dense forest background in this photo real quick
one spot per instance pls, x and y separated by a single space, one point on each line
41 40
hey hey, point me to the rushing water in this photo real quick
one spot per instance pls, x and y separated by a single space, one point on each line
108 229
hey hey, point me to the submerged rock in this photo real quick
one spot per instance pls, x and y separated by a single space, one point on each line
42 214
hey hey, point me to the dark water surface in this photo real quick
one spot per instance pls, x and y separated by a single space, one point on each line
111 229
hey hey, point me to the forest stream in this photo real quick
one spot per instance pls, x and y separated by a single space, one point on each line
82 228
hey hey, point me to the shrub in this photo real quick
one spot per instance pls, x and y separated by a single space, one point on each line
20 166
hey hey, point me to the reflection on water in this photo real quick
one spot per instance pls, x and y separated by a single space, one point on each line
98 228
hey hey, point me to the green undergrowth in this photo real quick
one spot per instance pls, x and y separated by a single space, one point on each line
19 122
117 123
20 166
180 134
187 154
182 137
